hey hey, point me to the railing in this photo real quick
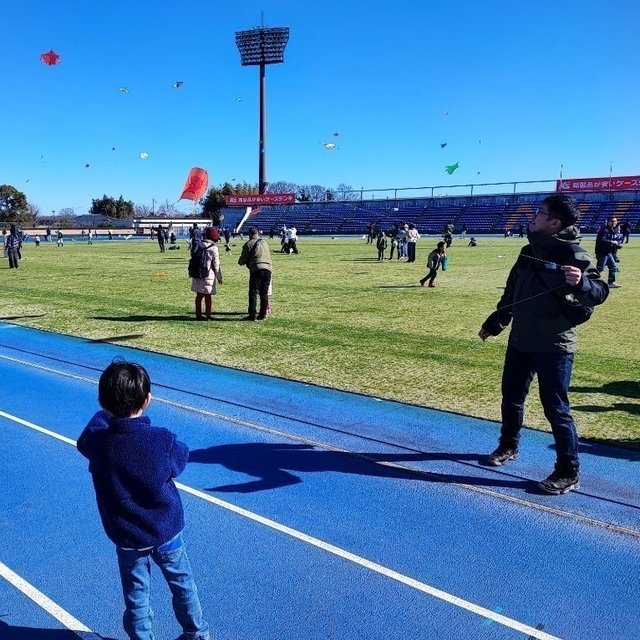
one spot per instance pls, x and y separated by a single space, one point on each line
450 190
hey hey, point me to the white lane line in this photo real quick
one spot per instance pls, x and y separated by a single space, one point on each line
40 599
325 546
373 566
53 434
252 425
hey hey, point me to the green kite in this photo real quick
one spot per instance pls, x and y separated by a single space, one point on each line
451 168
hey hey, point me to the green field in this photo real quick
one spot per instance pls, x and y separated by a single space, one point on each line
340 319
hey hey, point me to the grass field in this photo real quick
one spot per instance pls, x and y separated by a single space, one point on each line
340 319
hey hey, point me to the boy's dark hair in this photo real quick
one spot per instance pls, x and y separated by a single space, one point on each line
564 208
123 388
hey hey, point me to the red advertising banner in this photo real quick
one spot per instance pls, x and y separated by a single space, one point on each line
599 184
265 198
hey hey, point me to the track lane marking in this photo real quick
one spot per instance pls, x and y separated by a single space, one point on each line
42 601
476 489
330 548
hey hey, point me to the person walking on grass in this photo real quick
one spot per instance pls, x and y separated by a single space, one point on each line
132 465
608 241
257 258
434 261
548 288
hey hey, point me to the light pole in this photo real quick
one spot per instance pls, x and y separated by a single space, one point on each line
260 47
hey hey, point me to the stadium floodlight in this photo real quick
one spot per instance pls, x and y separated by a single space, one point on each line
260 47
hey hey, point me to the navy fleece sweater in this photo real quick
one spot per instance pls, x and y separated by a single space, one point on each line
133 465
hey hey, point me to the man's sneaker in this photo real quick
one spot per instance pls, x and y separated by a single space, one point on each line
501 456
614 285
559 482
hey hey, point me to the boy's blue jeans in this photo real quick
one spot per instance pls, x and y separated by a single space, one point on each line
554 375
135 574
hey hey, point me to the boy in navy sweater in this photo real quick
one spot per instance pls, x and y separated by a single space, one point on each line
132 466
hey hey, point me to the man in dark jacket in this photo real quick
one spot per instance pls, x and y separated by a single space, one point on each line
12 247
255 255
608 240
549 286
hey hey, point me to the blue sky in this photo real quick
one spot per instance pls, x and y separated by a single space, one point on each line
527 86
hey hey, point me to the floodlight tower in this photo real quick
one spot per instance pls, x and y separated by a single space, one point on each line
261 46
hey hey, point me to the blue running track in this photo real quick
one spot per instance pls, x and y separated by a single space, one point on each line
312 514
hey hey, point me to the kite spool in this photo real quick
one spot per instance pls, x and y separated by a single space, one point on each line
445 263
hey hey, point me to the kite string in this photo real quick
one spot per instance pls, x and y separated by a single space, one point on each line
560 286
537 295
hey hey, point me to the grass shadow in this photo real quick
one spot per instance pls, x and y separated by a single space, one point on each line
228 316
622 388
131 336
631 408
141 318
398 286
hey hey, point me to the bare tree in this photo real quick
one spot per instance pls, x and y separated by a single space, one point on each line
32 215
66 217
345 192
313 192
283 187
169 210
142 211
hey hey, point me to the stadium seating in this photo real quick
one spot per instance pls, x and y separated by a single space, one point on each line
487 214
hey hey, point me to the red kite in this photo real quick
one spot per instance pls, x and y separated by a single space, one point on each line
50 58
196 185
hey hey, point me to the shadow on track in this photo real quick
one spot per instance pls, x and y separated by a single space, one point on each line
7 632
272 464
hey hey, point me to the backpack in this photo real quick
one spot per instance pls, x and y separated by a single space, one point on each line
198 264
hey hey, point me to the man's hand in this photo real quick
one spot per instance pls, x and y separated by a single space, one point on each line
572 275
484 334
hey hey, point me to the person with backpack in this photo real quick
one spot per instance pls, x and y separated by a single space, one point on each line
257 258
550 290
205 272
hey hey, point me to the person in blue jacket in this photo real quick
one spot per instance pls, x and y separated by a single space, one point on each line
608 241
132 464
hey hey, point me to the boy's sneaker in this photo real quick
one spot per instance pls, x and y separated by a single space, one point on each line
501 456
560 482
614 285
